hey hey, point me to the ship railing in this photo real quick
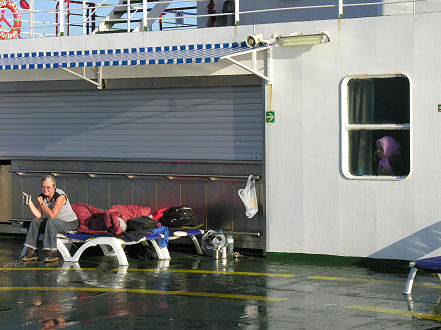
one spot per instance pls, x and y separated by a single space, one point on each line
49 18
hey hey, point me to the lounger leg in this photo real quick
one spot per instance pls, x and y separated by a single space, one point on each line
107 250
410 279
64 251
162 265
196 244
161 252
115 243
410 304
119 251
122 270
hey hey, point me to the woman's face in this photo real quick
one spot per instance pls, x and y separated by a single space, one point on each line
48 188
379 151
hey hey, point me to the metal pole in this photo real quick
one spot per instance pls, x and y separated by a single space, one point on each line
144 14
340 8
269 64
99 74
61 15
31 19
84 17
128 15
236 12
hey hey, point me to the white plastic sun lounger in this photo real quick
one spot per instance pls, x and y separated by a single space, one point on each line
430 265
114 246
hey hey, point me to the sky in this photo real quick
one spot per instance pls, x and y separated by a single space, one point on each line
45 17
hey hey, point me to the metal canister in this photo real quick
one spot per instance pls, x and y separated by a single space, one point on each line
26 199
216 253
224 252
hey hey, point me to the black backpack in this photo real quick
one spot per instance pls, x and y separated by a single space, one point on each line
178 216
142 224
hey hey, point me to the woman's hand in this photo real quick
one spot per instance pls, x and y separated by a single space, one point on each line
36 210
25 194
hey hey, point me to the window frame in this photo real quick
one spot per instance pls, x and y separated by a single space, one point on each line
346 128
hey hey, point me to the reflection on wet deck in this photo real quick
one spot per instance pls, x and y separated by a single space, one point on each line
191 291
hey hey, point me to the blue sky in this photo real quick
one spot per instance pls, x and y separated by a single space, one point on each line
46 18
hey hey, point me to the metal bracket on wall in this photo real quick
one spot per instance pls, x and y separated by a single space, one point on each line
253 51
99 76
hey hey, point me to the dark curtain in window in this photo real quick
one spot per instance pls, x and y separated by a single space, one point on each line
361 111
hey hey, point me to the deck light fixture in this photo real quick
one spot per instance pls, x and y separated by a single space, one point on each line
254 40
303 39
257 39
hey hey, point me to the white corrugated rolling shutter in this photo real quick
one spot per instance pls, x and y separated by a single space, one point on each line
220 123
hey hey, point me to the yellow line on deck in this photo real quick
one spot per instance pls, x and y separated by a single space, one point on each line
365 280
348 279
42 268
396 312
199 271
178 293
195 271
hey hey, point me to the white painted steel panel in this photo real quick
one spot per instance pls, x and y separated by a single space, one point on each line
310 206
219 123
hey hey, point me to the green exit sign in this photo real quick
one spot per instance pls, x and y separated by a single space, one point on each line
270 116
439 107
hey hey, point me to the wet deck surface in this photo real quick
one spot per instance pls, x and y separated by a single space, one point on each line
197 292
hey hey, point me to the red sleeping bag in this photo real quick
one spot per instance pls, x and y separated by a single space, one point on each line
124 212
91 219
96 221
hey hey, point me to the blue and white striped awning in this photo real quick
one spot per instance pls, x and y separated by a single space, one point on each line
204 53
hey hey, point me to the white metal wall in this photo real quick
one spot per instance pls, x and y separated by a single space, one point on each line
310 206
221 123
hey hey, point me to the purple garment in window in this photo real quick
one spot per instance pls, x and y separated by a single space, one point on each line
390 146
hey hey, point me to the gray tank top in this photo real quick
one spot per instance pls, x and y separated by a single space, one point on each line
66 212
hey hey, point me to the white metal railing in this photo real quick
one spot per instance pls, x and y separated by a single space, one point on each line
46 18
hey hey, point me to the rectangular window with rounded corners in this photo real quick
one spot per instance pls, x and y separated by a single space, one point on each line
375 127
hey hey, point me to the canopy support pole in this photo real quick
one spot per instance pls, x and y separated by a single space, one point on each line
265 76
99 72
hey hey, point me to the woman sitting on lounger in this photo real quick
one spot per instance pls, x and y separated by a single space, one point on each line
53 215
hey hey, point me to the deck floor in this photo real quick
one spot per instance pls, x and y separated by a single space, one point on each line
198 292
